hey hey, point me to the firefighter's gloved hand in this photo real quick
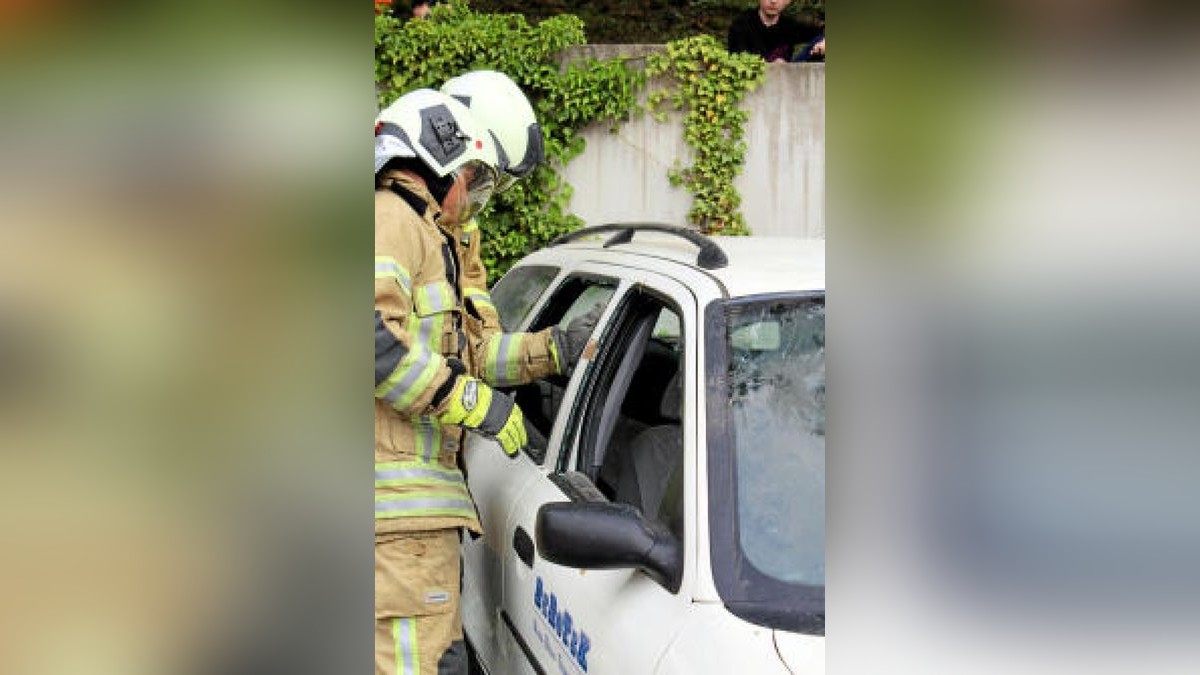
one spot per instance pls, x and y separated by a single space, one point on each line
569 343
474 406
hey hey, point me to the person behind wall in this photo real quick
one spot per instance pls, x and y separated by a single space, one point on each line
770 33
421 7
435 168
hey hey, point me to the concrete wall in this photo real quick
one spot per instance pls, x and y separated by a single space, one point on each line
622 176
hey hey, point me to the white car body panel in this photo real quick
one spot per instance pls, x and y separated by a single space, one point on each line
715 641
632 624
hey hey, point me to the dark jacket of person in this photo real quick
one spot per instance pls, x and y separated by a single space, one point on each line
748 34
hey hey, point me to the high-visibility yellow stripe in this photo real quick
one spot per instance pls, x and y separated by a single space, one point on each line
417 489
424 504
398 474
433 298
404 635
416 464
429 438
502 365
491 359
413 376
386 267
480 297
427 330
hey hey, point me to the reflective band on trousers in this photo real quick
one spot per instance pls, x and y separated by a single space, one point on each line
408 658
424 504
386 267
411 377
503 360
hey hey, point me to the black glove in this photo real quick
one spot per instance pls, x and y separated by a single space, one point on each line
570 342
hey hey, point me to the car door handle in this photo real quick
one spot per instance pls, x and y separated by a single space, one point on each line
523 545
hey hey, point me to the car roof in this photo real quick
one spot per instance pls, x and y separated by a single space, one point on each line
756 264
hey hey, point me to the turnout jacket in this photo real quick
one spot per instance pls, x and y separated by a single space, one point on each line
426 312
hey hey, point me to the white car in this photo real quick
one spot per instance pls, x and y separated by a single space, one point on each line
669 514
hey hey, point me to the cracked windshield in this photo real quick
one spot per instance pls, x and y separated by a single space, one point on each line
777 386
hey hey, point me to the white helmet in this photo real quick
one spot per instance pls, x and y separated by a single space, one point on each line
444 136
496 101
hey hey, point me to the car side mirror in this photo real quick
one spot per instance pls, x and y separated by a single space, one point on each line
602 535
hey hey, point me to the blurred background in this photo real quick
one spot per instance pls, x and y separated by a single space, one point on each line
178 246
1012 224
1014 314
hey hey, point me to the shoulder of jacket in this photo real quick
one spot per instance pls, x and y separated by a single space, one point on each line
388 204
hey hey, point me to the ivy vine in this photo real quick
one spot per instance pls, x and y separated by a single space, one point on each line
695 75
453 39
708 84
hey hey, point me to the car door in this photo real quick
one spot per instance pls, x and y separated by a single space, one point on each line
496 481
623 436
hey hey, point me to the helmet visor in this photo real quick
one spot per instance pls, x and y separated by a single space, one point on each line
479 180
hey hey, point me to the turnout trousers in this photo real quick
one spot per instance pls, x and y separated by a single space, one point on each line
418 629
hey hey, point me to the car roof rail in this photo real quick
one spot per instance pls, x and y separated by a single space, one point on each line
711 257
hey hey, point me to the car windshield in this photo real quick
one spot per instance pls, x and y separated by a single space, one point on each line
773 403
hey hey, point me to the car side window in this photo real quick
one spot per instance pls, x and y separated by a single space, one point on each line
518 291
540 401
631 432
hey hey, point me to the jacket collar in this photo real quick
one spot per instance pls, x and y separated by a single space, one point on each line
433 212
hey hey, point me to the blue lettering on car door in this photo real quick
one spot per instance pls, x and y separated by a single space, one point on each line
571 637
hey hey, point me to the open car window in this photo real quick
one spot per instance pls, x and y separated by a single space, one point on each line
540 401
631 417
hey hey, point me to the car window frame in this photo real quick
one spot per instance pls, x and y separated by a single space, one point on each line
795 607
619 316
576 484
537 319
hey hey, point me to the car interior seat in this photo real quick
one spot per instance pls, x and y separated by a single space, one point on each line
655 456
639 411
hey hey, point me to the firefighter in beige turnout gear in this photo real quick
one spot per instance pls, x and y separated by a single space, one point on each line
499 104
435 167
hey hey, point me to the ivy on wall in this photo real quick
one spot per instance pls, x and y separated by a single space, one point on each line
695 75
707 84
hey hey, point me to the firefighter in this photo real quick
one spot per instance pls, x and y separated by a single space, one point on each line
435 168
498 103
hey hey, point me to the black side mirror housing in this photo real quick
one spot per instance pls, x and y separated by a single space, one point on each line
603 535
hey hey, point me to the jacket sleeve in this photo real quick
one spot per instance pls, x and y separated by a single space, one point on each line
408 373
502 359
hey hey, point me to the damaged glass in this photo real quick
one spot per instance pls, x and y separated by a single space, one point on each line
776 376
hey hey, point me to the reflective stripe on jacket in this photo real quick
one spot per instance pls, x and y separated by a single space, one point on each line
501 359
418 325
